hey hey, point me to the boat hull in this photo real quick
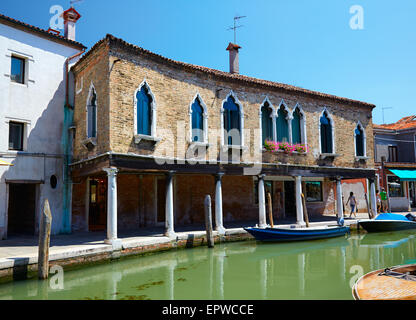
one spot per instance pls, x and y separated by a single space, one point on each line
296 234
386 225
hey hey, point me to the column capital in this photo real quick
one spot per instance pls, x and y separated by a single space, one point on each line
219 175
111 171
170 173
261 176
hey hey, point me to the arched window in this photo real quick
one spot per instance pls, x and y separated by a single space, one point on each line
92 114
197 121
359 141
266 122
326 133
282 126
297 126
232 122
144 111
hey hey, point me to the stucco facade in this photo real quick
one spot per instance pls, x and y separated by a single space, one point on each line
38 104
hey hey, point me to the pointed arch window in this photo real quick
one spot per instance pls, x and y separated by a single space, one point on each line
326 133
92 114
297 121
197 116
266 122
359 141
144 111
282 125
232 122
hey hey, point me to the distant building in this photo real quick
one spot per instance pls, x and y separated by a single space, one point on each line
395 159
33 90
143 120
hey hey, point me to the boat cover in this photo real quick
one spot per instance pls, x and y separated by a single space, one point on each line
391 216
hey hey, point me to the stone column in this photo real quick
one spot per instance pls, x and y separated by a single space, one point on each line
373 197
218 204
262 202
340 211
169 222
112 208
299 208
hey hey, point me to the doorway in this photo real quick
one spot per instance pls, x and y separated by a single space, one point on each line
97 213
22 209
290 205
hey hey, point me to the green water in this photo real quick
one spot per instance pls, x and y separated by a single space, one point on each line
320 269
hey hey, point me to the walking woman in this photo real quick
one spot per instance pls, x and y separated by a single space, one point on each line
353 204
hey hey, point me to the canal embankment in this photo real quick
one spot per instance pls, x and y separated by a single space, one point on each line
19 256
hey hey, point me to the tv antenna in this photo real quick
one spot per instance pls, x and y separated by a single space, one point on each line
382 110
236 27
72 2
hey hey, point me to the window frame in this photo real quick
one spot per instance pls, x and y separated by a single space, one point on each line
364 138
223 131
396 153
321 191
302 124
288 120
204 119
88 104
23 68
402 186
331 121
22 139
153 112
273 119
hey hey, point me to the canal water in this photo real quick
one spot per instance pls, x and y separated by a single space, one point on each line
319 269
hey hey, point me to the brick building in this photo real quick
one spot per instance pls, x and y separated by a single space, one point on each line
153 136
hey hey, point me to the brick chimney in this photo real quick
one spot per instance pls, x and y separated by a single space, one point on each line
70 16
233 49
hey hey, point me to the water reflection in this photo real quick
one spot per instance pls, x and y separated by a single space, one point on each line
320 269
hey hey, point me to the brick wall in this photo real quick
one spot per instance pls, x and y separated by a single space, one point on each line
174 89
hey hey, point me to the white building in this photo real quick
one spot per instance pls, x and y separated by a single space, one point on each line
33 91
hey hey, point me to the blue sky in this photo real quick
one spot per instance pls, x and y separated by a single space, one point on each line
299 42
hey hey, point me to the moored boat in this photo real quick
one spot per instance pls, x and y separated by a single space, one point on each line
388 222
395 283
297 234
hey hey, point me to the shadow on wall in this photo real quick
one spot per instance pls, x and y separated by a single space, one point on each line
42 158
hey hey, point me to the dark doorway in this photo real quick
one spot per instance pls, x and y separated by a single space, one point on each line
22 209
161 200
290 205
97 218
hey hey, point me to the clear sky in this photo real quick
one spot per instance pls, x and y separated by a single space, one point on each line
299 42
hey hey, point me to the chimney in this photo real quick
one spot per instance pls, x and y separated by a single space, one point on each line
70 16
233 49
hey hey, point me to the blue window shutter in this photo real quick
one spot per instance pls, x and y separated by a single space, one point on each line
359 142
231 118
143 112
266 123
197 121
296 136
282 126
326 134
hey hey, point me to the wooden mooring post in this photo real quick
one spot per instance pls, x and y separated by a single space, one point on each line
368 206
208 221
269 200
44 241
305 211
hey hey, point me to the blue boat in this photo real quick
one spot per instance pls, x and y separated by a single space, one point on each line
388 222
297 234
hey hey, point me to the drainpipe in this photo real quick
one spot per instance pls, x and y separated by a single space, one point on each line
66 143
